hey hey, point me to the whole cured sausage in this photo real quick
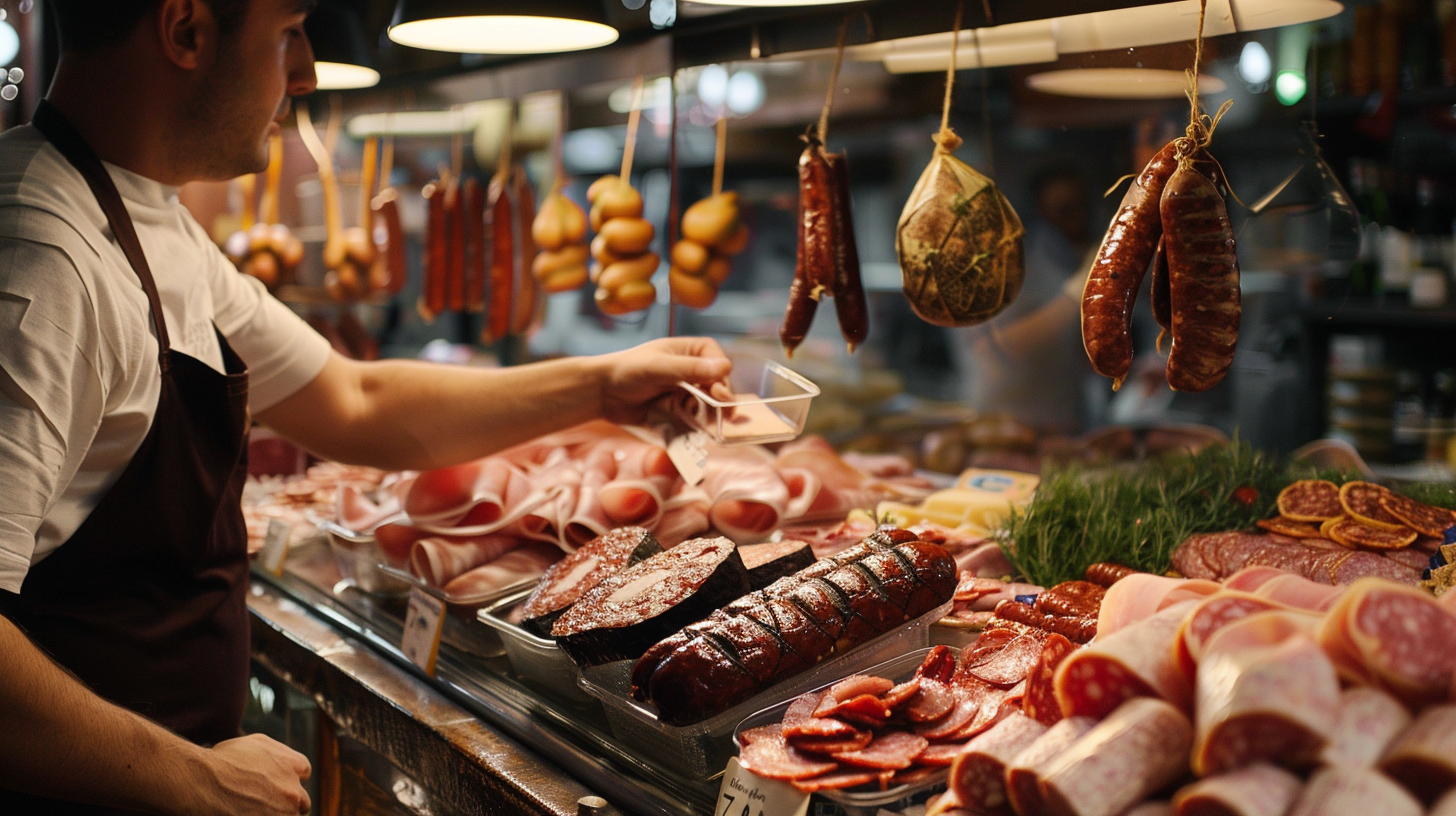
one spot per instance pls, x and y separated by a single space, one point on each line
1118 268
455 241
767 636
817 221
527 287
502 258
1106 573
386 207
1162 307
1203 280
473 206
436 251
799 315
849 293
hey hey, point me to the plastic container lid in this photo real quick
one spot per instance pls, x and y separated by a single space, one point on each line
770 404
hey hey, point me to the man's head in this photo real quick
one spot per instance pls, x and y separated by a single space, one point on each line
224 70
1061 200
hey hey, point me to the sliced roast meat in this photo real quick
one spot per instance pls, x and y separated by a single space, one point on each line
770 561
573 576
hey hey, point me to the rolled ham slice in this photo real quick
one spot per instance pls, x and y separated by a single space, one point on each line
515 568
1423 756
747 497
589 519
1265 692
1353 791
978 773
1366 723
645 478
1136 661
1140 595
1258 790
438 561
1249 579
1211 615
1024 772
685 516
1138 749
1393 636
1300 593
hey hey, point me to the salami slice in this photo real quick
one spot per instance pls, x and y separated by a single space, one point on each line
836 781
968 702
1011 664
1353 532
931 702
1136 661
1310 500
803 707
939 663
1367 721
771 758
1361 501
1353 791
888 751
1258 790
1266 692
829 746
1399 636
753 734
979 771
1023 773
1289 527
1040 700
915 774
1139 748
941 754
1421 517
897 697
1423 756
854 686
819 728
992 708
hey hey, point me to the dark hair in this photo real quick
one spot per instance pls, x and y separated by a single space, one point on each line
86 26
1058 170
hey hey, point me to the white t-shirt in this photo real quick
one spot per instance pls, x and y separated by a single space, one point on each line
79 379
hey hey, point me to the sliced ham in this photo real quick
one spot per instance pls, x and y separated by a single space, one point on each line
1423 756
1135 661
1368 719
1140 595
515 568
438 561
1265 692
747 498
1138 749
1024 772
1353 791
984 559
1300 593
1211 615
978 772
588 519
1249 579
1396 637
1258 790
637 494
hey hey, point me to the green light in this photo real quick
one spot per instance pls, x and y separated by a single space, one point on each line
1289 87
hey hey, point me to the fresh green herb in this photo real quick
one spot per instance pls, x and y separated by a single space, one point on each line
1137 517
1436 494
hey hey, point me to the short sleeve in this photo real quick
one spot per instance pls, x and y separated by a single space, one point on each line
51 395
282 352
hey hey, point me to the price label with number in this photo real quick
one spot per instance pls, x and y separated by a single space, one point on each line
422 623
275 547
744 794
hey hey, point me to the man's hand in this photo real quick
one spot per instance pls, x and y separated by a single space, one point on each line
252 775
634 378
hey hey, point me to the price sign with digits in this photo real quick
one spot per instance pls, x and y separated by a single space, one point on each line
422 623
744 794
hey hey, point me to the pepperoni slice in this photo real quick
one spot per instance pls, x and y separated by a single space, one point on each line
803 707
941 753
772 758
828 746
1310 500
836 781
1011 665
1289 527
1040 702
897 697
1354 533
968 705
820 727
939 664
1421 517
891 751
933 701
1361 501
754 734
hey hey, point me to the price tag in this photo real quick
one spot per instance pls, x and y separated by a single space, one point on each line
744 794
689 453
422 624
275 547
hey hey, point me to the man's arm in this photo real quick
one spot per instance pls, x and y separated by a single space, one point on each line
398 414
58 739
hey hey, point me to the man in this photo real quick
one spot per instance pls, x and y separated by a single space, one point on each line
1028 360
123 411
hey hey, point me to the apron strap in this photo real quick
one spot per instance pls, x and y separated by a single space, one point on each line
73 147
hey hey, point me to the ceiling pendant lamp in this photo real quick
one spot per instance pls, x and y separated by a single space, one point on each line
501 26
341 57
772 3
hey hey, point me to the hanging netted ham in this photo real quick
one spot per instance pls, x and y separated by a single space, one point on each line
959 242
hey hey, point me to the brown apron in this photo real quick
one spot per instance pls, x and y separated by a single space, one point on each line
145 603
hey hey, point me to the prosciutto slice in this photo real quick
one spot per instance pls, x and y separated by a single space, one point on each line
515 568
438 561
1138 596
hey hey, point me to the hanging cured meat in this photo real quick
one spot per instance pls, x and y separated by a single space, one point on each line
711 235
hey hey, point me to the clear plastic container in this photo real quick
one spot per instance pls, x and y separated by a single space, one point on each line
360 559
857 803
701 750
770 404
535 659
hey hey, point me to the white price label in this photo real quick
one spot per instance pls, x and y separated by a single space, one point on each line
275 547
422 623
745 794
689 454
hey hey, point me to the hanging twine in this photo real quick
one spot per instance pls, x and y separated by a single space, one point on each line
1200 125
633 117
833 80
946 140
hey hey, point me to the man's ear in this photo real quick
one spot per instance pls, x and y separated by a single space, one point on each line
187 31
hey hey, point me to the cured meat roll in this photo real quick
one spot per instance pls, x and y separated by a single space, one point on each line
1137 661
1397 637
1258 790
630 610
978 773
1423 756
1353 791
1366 723
1138 749
792 625
1024 772
576 574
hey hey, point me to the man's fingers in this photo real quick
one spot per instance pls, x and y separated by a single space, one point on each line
304 805
300 764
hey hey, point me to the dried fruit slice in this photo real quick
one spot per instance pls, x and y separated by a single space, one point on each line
1421 517
1353 533
1310 500
1290 527
1361 501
